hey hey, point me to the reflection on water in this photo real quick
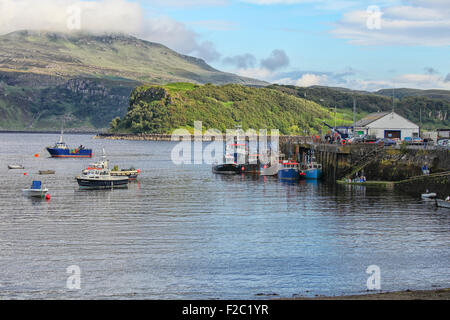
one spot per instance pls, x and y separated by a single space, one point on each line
182 232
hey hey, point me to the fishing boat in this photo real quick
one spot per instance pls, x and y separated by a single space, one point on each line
36 190
443 203
312 170
234 158
288 170
226 168
62 150
271 168
98 176
253 165
15 166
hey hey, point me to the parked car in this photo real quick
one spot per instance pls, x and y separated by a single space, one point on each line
443 142
387 142
369 139
428 141
407 140
417 141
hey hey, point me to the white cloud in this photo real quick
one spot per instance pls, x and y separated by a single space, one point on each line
257 73
420 81
306 80
422 23
102 16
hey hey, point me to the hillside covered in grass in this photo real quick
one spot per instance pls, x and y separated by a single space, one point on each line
431 107
161 109
85 78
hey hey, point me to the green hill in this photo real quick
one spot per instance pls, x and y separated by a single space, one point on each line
86 78
434 112
161 109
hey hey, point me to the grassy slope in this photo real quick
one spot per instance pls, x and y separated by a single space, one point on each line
161 109
107 56
37 68
435 112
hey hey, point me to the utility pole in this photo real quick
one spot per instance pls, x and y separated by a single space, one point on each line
420 121
335 114
354 115
393 99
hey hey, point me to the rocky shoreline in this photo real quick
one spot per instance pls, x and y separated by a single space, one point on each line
435 294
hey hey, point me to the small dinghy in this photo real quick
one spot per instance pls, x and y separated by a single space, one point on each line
36 190
42 172
443 203
15 166
428 195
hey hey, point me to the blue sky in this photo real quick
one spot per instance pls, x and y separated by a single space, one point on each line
306 32
347 43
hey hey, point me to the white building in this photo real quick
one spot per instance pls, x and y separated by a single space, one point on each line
387 125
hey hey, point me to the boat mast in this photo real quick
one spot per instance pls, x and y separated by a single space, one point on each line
62 132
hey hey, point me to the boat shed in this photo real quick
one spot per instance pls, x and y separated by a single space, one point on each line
387 125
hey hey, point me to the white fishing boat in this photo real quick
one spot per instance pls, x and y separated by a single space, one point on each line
98 176
271 168
443 203
36 190
15 166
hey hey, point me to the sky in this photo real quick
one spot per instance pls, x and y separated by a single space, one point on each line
364 45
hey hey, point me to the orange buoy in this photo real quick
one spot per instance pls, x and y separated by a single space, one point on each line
47 197
36 155
24 173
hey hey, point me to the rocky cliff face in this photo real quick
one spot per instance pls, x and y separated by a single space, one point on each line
398 165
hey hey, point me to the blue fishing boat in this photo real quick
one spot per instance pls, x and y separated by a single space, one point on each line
312 170
288 170
61 150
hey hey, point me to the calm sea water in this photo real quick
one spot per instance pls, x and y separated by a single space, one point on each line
181 232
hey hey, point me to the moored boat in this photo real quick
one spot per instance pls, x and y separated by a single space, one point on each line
288 170
99 176
61 150
428 195
227 168
312 170
132 174
36 190
443 203
44 172
15 166
234 157
271 168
